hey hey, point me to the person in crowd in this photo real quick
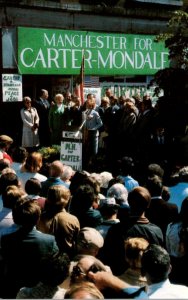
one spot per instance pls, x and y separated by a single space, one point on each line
5 143
83 266
7 179
54 270
33 189
77 179
120 193
105 179
127 167
89 241
4 164
92 125
67 174
109 210
156 267
23 250
30 119
83 290
159 211
134 248
57 221
82 206
55 172
135 225
179 191
118 288
57 119
18 155
174 242
10 196
31 168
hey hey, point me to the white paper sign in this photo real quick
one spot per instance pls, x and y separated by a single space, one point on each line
12 87
71 154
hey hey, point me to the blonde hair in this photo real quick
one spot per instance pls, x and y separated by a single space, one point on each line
33 162
134 248
58 196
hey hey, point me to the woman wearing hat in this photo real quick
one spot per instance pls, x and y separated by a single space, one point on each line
30 118
5 142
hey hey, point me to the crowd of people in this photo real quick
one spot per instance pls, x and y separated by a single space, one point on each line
115 229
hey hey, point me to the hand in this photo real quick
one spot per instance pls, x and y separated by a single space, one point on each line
106 279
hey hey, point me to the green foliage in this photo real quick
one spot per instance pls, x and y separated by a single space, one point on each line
176 39
50 153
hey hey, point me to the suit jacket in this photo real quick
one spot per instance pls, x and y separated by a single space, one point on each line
22 252
43 112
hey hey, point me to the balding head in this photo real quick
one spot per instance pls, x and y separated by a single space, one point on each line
56 168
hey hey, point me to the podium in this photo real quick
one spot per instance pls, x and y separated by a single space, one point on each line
71 149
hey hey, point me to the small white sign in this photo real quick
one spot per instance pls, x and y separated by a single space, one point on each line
71 154
94 91
12 87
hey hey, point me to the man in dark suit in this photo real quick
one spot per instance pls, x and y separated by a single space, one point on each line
23 250
42 105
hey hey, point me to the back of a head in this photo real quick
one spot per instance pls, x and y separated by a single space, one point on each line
54 269
68 172
26 213
139 200
57 198
56 168
33 186
77 180
119 192
156 263
4 164
89 241
33 162
134 248
11 195
83 199
8 179
154 185
19 154
155 169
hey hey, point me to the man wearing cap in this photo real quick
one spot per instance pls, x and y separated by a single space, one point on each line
89 241
108 209
5 142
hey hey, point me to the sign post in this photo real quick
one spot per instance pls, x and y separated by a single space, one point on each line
71 149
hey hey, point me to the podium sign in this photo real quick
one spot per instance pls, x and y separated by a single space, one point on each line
71 150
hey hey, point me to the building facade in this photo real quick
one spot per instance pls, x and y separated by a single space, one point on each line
26 26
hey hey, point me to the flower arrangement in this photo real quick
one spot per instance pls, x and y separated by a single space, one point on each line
50 153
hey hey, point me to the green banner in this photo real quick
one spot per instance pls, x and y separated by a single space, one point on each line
54 51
